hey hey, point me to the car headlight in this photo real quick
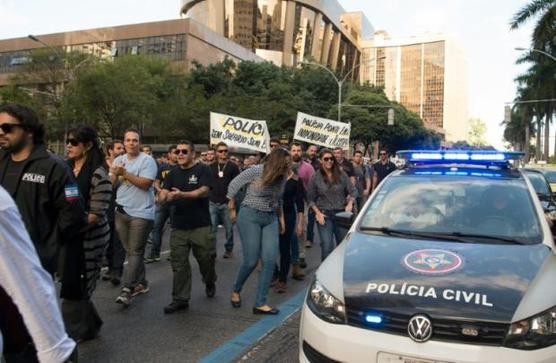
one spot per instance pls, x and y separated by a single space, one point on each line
325 305
533 333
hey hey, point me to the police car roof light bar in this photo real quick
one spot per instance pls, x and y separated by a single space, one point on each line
455 156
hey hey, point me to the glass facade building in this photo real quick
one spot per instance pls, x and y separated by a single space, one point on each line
427 75
171 47
180 41
287 32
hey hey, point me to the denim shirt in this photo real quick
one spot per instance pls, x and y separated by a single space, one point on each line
328 196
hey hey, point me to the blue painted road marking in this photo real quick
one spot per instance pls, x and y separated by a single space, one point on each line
233 348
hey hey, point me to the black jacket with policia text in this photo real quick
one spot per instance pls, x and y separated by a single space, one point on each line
49 202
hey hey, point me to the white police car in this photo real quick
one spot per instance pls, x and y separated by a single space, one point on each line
451 260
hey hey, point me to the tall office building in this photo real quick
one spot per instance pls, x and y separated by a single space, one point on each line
288 32
426 74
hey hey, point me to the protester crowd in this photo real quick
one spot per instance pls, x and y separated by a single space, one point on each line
105 204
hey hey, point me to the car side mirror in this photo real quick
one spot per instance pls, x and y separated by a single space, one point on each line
344 219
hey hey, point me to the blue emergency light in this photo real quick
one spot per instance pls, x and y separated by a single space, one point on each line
374 318
458 156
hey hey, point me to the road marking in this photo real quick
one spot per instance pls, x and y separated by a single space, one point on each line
234 347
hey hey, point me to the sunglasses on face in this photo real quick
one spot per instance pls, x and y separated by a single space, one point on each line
222 151
327 159
7 128
72 142
382 153
181 151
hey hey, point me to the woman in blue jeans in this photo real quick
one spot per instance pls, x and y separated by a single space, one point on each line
329 192
260 221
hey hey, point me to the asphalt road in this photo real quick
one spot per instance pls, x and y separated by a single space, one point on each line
279 346
211 330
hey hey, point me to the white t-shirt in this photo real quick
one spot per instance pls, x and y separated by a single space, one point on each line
30 287
136 201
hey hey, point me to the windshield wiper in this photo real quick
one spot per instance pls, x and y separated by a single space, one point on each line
485 236
454 236
401 232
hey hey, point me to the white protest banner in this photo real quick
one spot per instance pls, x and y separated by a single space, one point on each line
238 132
321 131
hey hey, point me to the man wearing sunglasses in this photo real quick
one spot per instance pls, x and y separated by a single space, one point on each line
187 190
382 168
40 183
223 172
274 144
45 193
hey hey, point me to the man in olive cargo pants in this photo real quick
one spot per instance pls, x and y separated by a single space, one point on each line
187 189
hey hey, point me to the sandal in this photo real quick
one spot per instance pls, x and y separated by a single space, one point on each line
235 303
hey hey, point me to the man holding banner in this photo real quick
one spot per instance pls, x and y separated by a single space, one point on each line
239 133
321 131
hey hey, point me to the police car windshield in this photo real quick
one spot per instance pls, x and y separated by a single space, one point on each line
478 206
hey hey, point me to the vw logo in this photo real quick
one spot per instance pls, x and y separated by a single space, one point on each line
419 328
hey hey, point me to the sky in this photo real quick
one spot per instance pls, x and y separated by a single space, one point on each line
480 27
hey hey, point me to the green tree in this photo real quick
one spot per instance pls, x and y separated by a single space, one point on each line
533 85
369 123
42 81
540 79
131 91
264 91
166 105
545 11
477 132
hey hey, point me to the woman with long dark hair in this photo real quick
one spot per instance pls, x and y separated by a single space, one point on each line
330 191
86 159
260 222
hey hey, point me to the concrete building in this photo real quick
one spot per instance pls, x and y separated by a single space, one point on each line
182 41
427 74
287 32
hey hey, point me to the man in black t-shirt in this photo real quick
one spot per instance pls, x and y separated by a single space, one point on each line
186 188
162 212
223 172
382 168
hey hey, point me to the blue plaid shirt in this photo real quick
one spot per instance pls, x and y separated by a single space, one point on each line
264 199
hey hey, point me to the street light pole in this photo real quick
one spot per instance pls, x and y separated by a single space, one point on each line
340 82
538 51
58 92
549 56
35 39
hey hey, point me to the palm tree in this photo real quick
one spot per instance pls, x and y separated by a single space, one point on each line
519 128
539 81
544 8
